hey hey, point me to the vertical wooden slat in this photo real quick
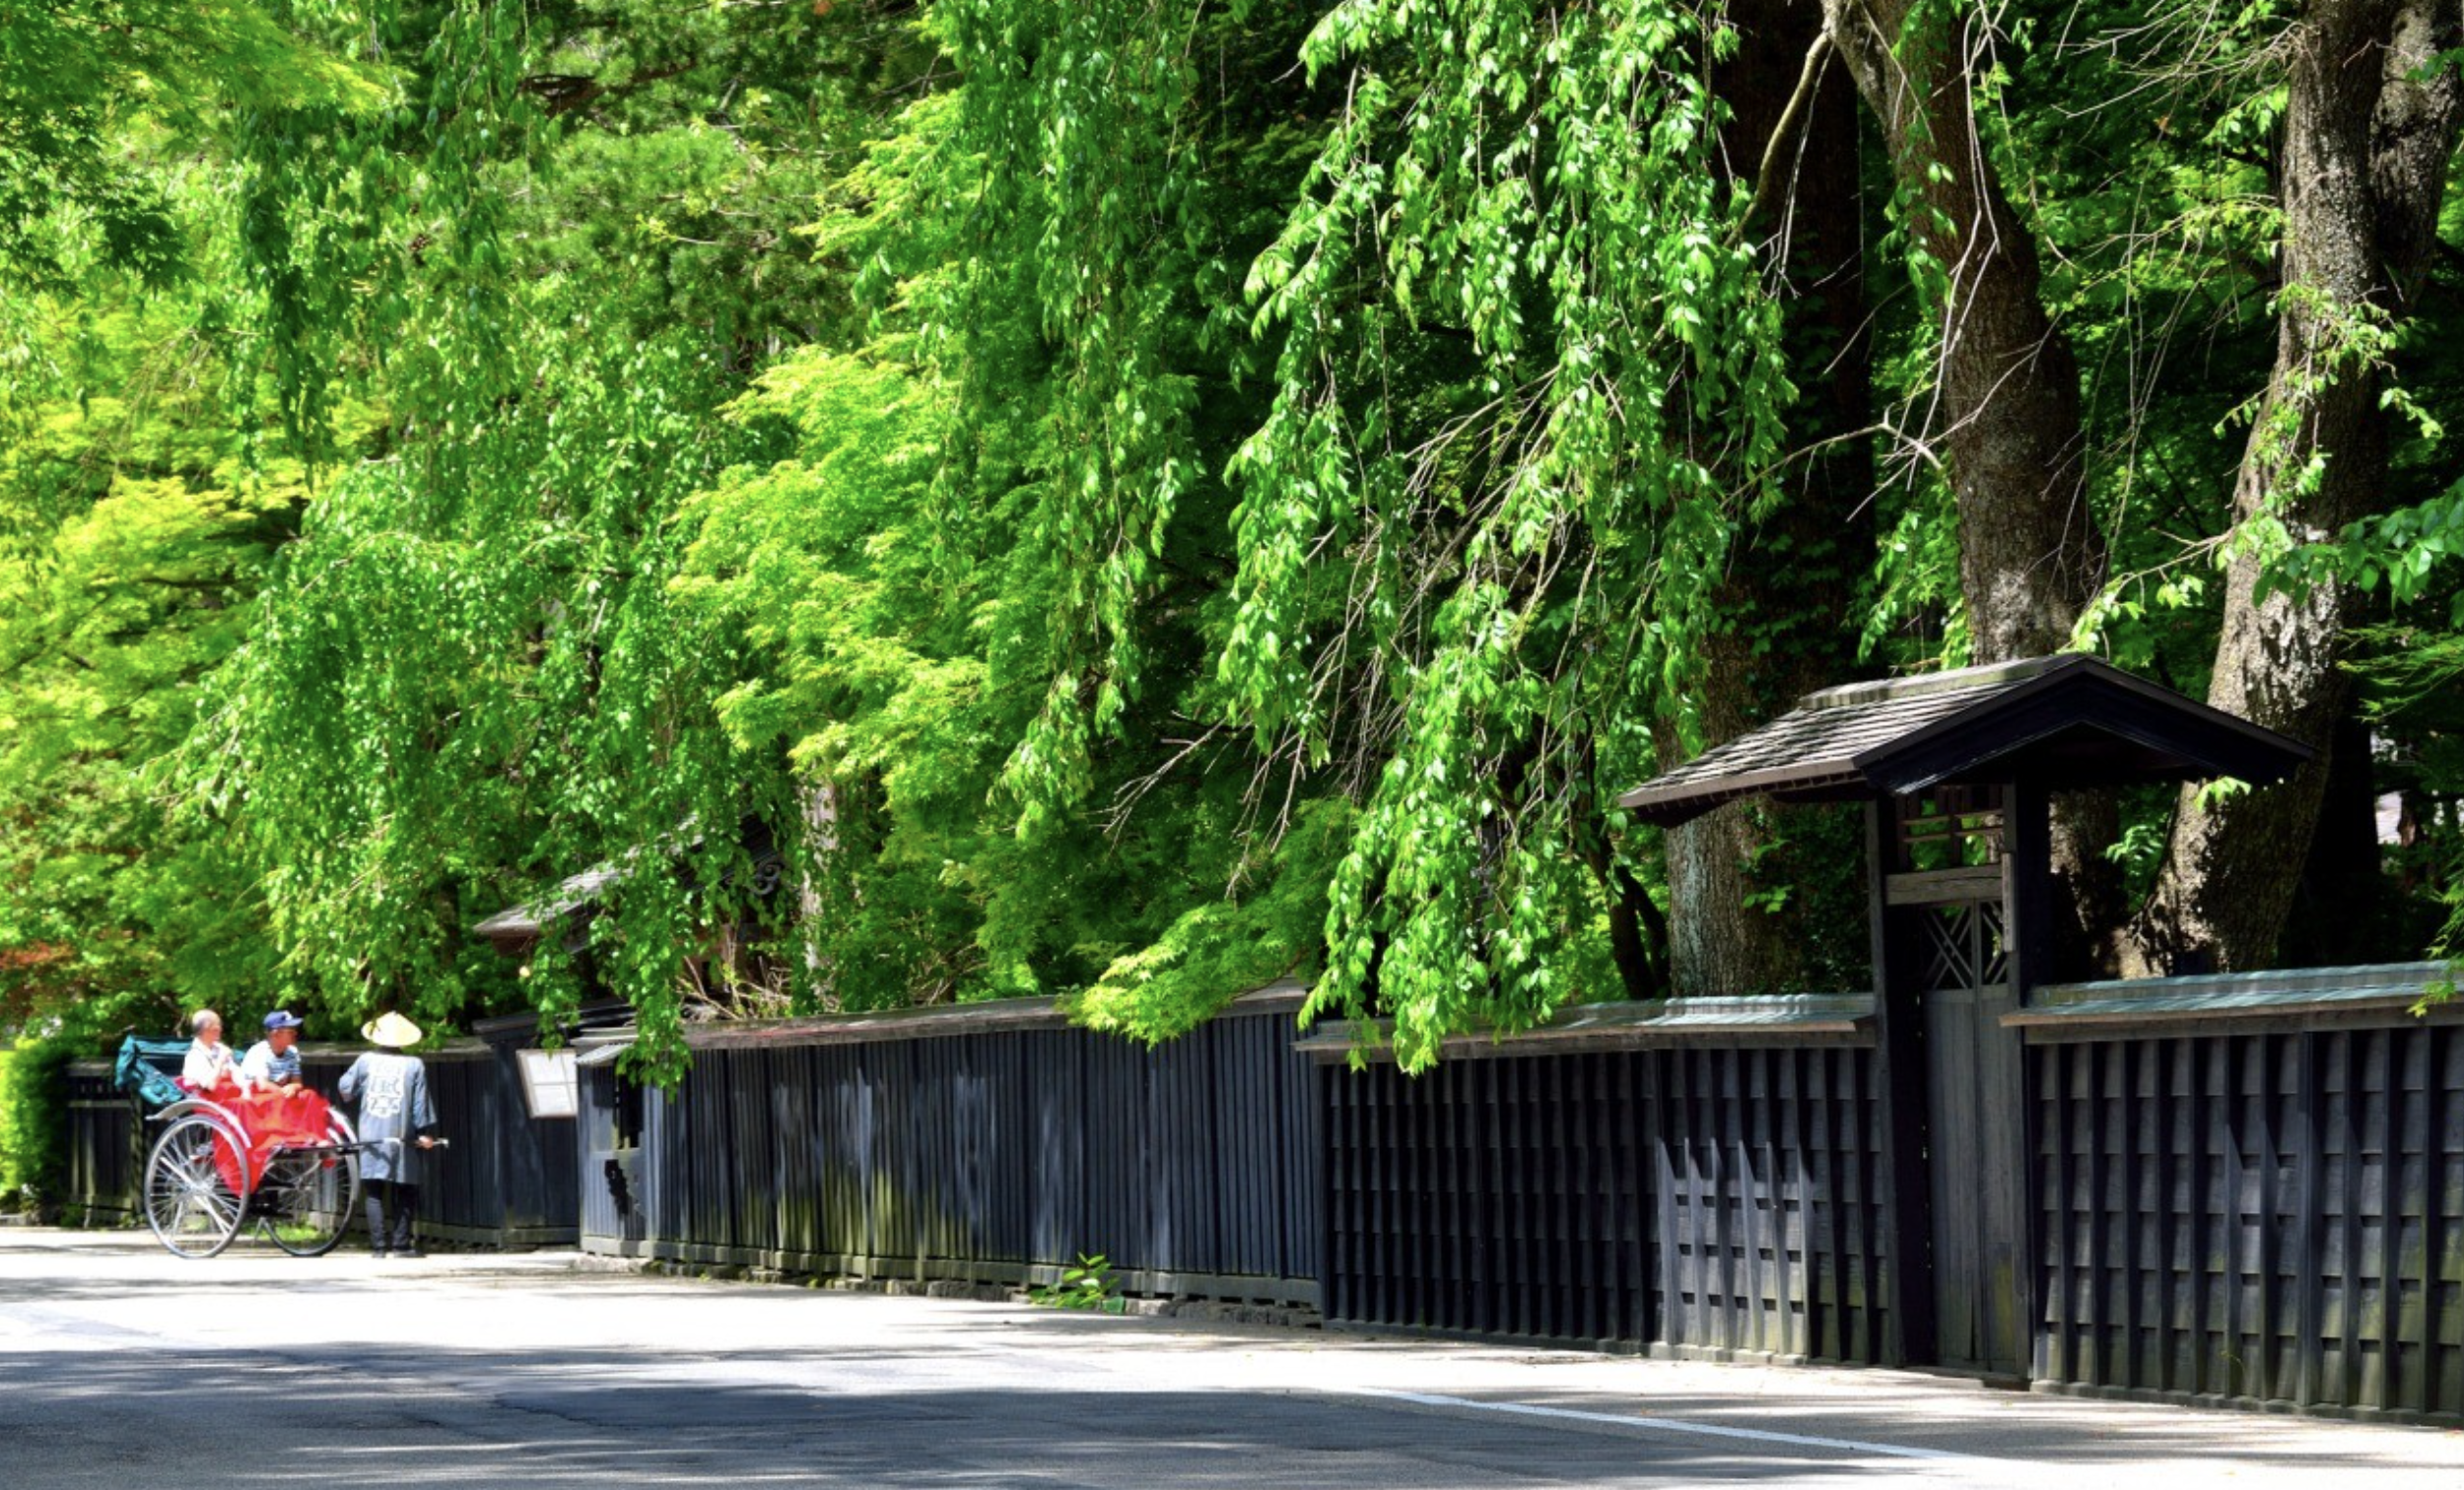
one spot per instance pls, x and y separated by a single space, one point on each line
2443 1321
1795 1211
2338 1382
1668 1133
1751 1194
2282 1150
2303 1226
1344 1150
2056 1086
1822 1340
1696 1102
2091 1358
1634 1324
1372 1219
2390 1108
2438 1091
1879 1337
2238 1194
2186 1310
2139 1212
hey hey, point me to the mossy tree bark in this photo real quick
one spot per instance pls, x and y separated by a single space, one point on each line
2370 119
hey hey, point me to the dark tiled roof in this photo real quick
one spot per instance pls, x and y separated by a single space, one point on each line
1812 745
518 926
1824 1018
2093 1010
521 922
2070 720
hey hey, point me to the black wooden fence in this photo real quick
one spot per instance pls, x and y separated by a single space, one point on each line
1691 1193
102 1139
508 1180
2259 1203
2249 1191
985 1143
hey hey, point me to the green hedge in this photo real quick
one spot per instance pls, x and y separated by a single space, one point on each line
34 1122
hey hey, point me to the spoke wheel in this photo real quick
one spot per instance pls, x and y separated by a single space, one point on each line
307 1195
192 1209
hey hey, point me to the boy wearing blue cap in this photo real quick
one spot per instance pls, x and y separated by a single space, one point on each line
274 1061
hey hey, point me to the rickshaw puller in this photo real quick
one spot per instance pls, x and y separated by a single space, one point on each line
397 1119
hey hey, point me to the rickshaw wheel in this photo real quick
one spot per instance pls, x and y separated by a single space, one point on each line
307 1196
193 1210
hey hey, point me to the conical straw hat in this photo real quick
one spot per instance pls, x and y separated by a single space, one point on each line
391 1030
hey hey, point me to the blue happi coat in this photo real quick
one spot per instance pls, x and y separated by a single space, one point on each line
391 1090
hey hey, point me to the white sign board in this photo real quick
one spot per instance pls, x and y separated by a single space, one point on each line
549 1084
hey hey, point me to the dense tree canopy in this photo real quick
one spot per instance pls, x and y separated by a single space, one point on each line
1128 502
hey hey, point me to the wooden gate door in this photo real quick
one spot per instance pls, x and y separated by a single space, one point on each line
1955 862
1977 1140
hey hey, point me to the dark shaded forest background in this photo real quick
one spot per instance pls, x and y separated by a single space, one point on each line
1133 501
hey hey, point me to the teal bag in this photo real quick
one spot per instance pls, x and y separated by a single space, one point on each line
145 1071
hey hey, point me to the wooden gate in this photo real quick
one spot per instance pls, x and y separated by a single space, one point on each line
1951 973
1975 1135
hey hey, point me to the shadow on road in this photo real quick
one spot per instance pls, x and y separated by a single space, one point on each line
524 1372
515 1417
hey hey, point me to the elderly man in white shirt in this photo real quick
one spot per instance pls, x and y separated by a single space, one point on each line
209 1059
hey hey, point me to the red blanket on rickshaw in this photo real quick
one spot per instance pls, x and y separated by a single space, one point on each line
273 1119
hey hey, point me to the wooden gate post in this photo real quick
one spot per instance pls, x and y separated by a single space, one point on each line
1899 1072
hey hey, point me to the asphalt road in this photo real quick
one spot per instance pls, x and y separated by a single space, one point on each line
123 1367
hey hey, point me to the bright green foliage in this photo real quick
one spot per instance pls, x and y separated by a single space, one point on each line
33 1125
1087 1284
1201 493
467 666
1525 365
1097 220
619 166
827 564
137 516
984 590
543 267
2405 550
1464 538
75 78
106 633
1223 945
474 673
878 609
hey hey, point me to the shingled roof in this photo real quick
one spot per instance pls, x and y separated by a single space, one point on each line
2060 721
513 931
515 928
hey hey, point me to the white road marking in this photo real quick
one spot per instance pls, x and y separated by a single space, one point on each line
1678 1425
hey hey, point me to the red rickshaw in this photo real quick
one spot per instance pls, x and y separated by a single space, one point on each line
225 1161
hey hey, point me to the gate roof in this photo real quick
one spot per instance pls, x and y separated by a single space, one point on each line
2061 721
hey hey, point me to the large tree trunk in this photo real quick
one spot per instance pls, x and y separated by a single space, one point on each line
1792 131
2341 910
2030 557
2369 126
